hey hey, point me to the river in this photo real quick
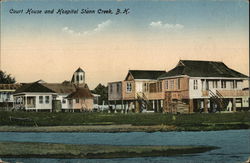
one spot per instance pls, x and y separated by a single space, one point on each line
234 145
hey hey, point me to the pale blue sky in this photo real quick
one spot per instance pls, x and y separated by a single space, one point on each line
194 15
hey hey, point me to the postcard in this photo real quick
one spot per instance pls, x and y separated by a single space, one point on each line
117 80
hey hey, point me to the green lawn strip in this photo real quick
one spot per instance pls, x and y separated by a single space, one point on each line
88 128
51 150
201 121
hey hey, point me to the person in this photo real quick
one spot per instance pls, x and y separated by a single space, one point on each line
215 108
201 109
229 106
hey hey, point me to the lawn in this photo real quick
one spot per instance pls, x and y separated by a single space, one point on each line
195 121
51 150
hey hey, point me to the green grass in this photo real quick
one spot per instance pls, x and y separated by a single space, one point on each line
51 150
194 121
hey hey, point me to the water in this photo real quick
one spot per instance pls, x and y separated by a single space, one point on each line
234 145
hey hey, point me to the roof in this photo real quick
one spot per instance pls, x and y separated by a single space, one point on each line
81 93
195 68
33 87
145 74
63 88
9 86
79 70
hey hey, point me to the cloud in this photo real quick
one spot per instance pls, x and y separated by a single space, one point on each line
70 31
99 28
160 25
102 26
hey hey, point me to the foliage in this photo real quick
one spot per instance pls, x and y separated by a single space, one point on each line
6 78
101 90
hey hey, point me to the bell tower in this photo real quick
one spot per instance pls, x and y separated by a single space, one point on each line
78 77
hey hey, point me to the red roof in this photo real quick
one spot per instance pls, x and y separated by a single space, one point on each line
81 93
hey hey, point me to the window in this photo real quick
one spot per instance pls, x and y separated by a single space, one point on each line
77 77
159 87
171 84
231 84
77 100
195 84
63 100
46 99
81 77
166 84
223 84
145 87
179 83
117 87
207 85
111 88
129 87
215 84
40 99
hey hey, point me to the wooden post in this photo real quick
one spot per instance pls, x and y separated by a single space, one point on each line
191 106
157 106
137 107
123 110
153 103
25 97
205 105
234 104
134 106
127 107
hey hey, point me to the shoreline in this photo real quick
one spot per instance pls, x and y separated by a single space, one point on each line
54 150
123 128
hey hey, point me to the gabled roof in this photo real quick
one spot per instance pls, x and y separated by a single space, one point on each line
33 87
79 70
145 74
195 68
63 88
81 93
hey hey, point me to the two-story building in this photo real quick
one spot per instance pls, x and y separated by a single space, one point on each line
192 86
204 86
139 92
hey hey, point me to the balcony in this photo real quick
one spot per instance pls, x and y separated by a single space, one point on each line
180 95
155 95
233 93
205 93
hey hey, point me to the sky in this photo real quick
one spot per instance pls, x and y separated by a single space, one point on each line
150 35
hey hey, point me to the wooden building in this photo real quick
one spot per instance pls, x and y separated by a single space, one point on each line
42 96
139 92
192 86
81 99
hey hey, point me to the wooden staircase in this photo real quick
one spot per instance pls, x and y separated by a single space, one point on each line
144 103
218 99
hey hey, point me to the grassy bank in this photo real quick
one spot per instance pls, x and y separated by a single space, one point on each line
165 122
48 150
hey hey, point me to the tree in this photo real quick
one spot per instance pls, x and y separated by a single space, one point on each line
6 78
101 90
